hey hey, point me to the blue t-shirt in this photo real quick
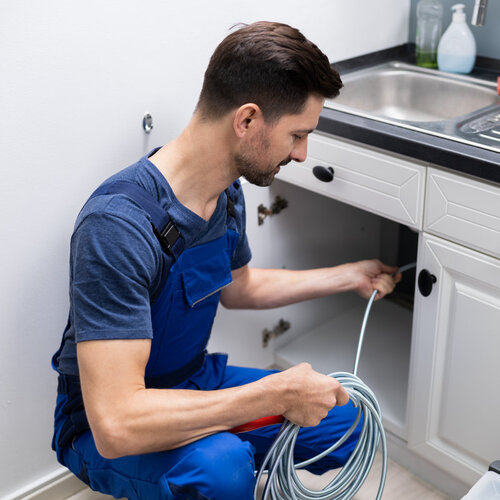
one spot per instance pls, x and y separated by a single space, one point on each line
117 263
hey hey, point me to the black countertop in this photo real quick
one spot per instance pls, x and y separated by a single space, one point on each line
468 159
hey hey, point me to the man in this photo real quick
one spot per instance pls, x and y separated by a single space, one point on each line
143 411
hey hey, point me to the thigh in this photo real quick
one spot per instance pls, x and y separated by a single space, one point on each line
212 468
239 375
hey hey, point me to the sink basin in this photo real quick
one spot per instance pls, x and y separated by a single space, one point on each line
404 92
417 98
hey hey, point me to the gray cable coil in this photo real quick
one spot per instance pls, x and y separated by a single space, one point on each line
283 482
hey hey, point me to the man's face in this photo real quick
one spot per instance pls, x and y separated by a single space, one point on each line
273 146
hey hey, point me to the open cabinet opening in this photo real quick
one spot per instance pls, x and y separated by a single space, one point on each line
315 231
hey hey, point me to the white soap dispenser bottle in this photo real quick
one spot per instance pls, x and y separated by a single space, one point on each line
457 47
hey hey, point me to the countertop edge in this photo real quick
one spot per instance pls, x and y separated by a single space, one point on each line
437 151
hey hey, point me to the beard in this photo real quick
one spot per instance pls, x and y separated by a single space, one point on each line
249 162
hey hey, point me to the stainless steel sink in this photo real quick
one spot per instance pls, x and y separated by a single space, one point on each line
426 100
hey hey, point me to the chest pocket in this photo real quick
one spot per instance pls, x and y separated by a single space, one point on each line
202 282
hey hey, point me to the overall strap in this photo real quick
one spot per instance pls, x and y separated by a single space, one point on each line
165 230
231 211
230 205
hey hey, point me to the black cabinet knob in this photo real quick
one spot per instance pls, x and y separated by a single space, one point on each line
425 282
324 174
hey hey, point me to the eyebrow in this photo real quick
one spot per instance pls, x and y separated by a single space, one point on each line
308 131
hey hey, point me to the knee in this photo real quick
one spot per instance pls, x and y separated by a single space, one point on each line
229 466
219 467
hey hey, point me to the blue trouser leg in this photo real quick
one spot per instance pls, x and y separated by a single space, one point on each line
218 467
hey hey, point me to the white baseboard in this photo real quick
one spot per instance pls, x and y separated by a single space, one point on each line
58 485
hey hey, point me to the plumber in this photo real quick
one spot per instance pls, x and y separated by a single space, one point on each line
143 411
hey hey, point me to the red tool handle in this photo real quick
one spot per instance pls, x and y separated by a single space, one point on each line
257 424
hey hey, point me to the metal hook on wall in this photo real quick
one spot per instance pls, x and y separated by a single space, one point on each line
147 123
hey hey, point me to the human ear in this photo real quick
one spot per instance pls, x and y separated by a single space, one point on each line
245 119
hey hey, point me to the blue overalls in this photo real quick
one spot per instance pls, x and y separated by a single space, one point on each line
220 466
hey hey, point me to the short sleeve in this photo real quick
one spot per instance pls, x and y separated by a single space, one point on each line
113 262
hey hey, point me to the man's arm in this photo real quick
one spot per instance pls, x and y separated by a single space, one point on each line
254 288
126 418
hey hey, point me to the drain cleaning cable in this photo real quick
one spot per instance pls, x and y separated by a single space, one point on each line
283 483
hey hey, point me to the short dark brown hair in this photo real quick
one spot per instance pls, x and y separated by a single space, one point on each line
270 64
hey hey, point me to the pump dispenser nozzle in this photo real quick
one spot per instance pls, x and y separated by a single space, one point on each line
458 12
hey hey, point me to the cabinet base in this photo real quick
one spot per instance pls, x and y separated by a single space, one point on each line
399 452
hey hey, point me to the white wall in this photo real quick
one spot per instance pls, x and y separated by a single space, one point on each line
75 81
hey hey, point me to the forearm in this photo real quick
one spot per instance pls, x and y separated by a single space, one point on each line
128 419
268 288
150 420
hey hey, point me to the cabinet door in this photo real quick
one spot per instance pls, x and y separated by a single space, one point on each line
454 397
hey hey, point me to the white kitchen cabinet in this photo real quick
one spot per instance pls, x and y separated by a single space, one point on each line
454 397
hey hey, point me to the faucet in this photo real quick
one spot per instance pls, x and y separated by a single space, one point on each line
479 12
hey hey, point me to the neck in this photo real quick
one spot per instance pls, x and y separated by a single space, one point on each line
197 165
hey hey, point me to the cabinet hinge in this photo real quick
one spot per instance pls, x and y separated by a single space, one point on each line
278 205
278 330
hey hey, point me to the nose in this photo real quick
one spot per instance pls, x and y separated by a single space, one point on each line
299 152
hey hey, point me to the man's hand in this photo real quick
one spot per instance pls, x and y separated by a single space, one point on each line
373 274
309 395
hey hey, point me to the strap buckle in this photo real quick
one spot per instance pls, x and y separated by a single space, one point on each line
168 235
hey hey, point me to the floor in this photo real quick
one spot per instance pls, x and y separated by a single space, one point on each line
400 484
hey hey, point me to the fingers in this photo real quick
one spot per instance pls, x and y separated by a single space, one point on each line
375 275
385 284
342 396
314 395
